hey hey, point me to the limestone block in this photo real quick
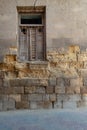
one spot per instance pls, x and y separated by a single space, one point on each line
60 82
31 89
85 81
85 65
71 98
14 82
84 97
36 105
34 89
10 58
76 82
77 65
24 97
47 105
40 89
83 72
1 74
9 104
59 90
16 97
82 103
74 97
74 49
45 97
52 82
62 97
1 83
43 82
82 57
1 106
6 83
58 105
69 105
33 105
22 105
50 89
52 97
35 97
73 90
18 90
41 105
83 90
14 90
70 57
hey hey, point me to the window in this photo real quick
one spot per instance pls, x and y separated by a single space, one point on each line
32 41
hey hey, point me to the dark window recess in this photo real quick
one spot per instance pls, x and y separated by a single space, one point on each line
31 19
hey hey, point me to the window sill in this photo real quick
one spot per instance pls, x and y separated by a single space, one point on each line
34 62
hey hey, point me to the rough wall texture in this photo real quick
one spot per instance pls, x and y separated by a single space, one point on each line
59 83
66 22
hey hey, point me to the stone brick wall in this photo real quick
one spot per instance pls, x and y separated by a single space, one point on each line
59 82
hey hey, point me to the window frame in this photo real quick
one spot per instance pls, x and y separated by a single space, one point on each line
43 14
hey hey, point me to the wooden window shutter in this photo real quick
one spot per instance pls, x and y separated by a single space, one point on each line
32 43
39 42
23 49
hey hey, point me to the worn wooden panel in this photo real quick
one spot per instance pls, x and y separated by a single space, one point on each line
40 43
32 43
23 50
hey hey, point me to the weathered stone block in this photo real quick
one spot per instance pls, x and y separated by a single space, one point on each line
47 105
75 97
83 72
22 105
58 104
82 103
62 97
76 82
10 58
59 90
6 83
9 104
1 74
45 97
73 90
50 89
36 105
52 82
83 90
77 65
16 97
13 90
69 105
40 89
63 82
85 81
74 49
84 97
30 89
1 83
35 97
1 108
85 65
34 89
82 57
52 97
24 97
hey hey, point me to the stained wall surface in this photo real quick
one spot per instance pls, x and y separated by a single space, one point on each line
66 22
